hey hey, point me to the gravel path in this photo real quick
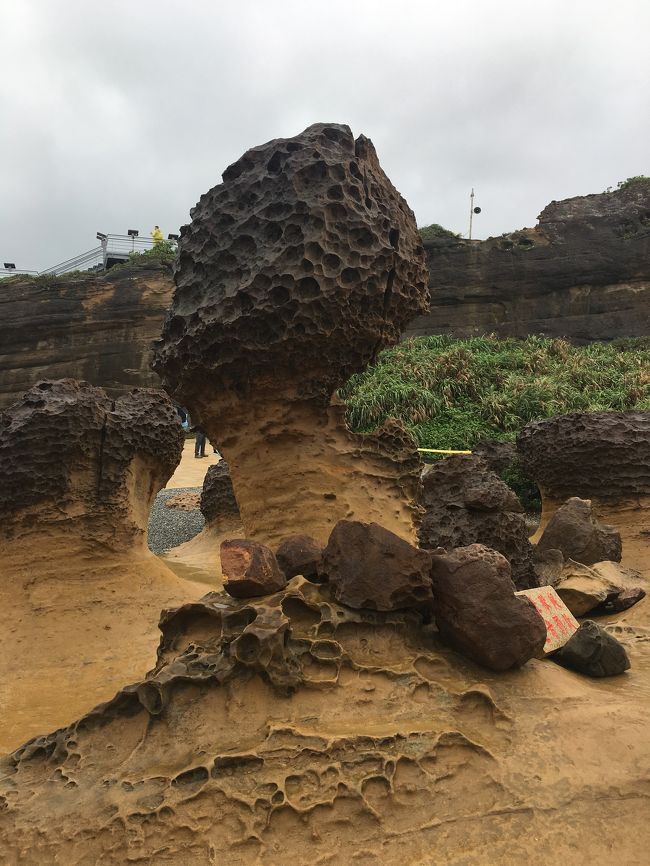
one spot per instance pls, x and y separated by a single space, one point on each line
169 527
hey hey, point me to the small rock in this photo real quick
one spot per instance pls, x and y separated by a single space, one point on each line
581 588
250 569
371 567
477 611
594 652
573 530
623 600
548 565
299 554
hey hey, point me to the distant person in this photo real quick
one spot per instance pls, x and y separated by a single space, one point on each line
157 235
199 443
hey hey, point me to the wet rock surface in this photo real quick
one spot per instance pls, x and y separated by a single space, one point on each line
300 554
250 569
477 611
292 275
593 652
370 567
466 503
581 273
574 531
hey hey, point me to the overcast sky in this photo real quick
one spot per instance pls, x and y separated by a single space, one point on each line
118 115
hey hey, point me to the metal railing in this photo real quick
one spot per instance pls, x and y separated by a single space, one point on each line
113 248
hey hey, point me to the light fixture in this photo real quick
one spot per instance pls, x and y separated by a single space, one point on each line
101 236
133 233
172 237
10 266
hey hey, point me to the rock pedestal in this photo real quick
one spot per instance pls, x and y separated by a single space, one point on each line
292 275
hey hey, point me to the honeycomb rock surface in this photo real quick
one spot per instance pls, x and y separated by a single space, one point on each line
574 531
370 567
72 456
299 554
250 569
477 611
218 503
292 275
603 455
467 503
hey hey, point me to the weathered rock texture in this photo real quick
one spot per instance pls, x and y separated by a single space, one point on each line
218 504
466 503
292 275
97 328
574 531
582 273
80 592
370 567
477 611
250 569
601 456
300 554
296 730
594 652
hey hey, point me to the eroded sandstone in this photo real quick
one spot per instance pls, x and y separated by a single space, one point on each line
292 275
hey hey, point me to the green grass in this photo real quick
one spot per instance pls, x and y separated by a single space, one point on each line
451 393
428 233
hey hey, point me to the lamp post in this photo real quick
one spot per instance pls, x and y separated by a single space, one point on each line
472 211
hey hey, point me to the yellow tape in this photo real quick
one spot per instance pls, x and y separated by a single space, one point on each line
442 451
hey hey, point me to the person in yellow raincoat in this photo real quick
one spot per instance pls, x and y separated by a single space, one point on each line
157 235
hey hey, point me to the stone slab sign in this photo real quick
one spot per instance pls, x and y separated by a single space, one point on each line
560 623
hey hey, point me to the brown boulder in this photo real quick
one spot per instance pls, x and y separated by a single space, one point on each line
299 554
574 530
250 569
218 504
477 611
467 503
370 567
593 652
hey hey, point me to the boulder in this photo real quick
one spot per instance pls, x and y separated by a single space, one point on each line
250 569
620 601
293 274
594 652
218 503
477 611
466 503
370 567
574 530
299 554
602 588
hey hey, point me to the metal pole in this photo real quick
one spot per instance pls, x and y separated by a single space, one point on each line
471 212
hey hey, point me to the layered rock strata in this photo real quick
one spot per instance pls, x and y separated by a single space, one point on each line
466 503
80 593
600 456
297 730
583 273
292 275
93 327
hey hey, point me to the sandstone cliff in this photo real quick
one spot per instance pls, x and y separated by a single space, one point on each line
98 328
582 273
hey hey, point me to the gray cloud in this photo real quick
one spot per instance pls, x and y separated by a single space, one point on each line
121 114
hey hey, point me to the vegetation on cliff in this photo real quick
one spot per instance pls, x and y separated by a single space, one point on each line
452 393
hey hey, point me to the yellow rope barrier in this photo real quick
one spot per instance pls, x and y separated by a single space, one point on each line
442 451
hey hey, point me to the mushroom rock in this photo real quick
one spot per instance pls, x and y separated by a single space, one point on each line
80 593
293 274
465 503
574 531
601 456
477 611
